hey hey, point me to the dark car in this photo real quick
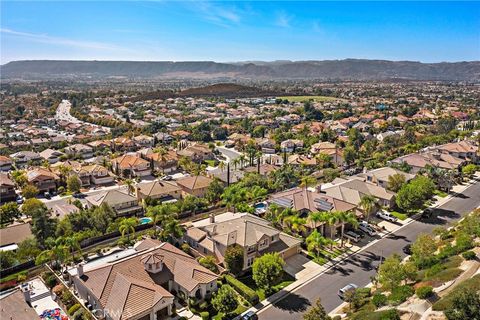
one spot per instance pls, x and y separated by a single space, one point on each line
407 249
427 213
47 195
250 315
79 195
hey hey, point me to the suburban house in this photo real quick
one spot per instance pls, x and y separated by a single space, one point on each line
196 152
5 163
7 189
306 201
158 190
122 203
463 149
12 235
298 159
130 165
421 160
380 176
22 158
227 176
329 149
165 163
353 190
98 175
100 145
291 145
51 155
43 179
141 286
266 145
263 169
80 150
194 185
255 235
143 141
123 144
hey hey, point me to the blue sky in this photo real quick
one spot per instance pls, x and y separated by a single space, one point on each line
239 31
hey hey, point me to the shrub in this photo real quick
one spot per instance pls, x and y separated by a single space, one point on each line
424 292
74 308
469 255
364 292
247 292
68 299
79 315
209 262
337 318
51 280
205 315
185 248
379 300
58 290
400 294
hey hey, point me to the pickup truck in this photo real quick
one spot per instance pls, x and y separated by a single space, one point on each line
386 216
368 229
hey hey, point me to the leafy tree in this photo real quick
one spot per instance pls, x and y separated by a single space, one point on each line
234 259
316 312
315 242
412 195
392 272
7 259
209 262
8 212
423 250
102 217
225 299
234 195
29 191
74 184
214 191
329 174
32 205
19 177
349 154
465 305
28 249
295 223
395 182
267 270
469 169
43 226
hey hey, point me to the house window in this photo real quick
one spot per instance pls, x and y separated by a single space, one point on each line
149 266
264 243
250 261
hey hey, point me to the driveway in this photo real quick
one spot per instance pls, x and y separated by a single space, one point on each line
231 154
299 266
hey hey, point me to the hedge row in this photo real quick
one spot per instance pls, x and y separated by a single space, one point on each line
247 292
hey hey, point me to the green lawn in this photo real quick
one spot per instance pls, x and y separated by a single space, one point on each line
400 216
440 193
307 98
286 279
211 163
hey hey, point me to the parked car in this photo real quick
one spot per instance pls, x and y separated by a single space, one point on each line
368 229
250 315
79 195
386 216
427 213
347 288
167 178
20 199
407 249
355 237
47 195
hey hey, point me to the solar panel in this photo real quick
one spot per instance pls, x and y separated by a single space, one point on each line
283 202
323 205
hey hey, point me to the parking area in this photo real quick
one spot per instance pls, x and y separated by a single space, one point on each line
299 266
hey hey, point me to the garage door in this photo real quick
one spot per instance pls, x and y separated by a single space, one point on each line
289 252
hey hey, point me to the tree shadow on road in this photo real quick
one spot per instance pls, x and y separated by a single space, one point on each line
394 236
440 216
293 303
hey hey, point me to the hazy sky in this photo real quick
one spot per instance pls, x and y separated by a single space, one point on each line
239 31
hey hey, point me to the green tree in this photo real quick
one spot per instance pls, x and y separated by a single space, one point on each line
423 250
225 299
234 259
234 195
214 191
392 272
102 217
316 242
209 262
127 225
19 177
32 205
349 154
28 249
395 182
267 270
316 312
29 191
465 305
73 183
347 218
7 259
295 224
469 169
368 204
43 226
8 212
329 174
130 185
412 195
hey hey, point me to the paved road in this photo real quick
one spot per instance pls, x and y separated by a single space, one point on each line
229 153
358 268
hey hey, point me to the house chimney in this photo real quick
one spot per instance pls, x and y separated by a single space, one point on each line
26 292
212 218
80 269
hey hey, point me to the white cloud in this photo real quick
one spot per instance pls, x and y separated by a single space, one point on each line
219 15
283 19
43 38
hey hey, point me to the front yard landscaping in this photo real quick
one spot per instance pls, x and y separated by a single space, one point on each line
248 281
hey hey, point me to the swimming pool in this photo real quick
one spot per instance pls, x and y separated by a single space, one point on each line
145 220
260 208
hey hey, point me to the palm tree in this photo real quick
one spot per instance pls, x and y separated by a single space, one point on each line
236 162
159 213
333 219
129 184
64 172
71 243
171 228
368 204
127 225
319 217
242 160
234 195
307 181
221 165
295 223
347 217
315 242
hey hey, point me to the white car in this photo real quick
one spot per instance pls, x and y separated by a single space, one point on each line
368 229
347 288
352 236
386 216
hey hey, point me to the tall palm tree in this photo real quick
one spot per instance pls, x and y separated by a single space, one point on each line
159 213
127 225
368 204
171 228
315 242
222 165
333 219
319 217
242 160
295 224
71 243
307 181
236 162
129 184
344 218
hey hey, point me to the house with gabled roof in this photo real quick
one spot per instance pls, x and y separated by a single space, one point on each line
122 203
130 165
44 180
195 185
141 286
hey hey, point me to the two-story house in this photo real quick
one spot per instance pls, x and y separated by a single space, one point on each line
158 190
51 155
253 234
141 286
130 166
24 158
7 189
122 203
194 185
5 163
43 179
80 150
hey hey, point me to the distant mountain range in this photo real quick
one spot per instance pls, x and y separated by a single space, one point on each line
349 69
